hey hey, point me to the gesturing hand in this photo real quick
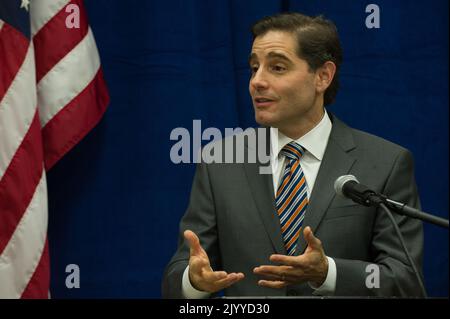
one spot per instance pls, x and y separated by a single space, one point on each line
311 266
201 275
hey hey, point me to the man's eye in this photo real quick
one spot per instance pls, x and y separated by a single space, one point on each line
278 68
254 68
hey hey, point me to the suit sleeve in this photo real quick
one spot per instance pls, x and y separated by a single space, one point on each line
200 218
396 275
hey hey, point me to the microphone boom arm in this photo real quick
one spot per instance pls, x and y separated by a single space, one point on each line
404 209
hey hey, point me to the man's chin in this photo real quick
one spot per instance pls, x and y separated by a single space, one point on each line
264 120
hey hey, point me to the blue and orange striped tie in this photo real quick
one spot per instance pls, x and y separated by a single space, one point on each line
292 199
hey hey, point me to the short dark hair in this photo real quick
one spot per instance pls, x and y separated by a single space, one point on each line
317 39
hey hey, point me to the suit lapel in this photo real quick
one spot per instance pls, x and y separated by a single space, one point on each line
336 162
261 186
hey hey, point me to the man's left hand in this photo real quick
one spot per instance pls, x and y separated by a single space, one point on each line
312 266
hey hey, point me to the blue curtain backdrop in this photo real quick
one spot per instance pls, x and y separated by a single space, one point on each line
116 199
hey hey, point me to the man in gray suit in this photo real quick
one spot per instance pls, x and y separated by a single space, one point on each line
287 233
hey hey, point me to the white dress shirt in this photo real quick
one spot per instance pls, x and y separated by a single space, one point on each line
314 142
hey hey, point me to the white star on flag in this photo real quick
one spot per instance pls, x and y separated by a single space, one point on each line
25 4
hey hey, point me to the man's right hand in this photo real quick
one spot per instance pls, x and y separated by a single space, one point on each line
201 275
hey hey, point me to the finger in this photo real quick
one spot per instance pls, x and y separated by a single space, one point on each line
280 273
294 261
229 280
268 276
212 276
273 284
272 270
193 242
289 276
310 239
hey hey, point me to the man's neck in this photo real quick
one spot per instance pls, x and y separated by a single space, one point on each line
297 130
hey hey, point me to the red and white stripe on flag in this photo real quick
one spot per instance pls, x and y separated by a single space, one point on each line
52 93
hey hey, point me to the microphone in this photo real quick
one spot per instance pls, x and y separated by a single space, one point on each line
348 186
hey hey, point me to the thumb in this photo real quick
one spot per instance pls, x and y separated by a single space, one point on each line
193 242
310 239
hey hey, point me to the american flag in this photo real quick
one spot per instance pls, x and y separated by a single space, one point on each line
52 93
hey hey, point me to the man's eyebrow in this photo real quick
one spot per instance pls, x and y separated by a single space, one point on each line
271 55
278 56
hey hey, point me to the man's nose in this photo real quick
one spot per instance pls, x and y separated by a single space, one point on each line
259 80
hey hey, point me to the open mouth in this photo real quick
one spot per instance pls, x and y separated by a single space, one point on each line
263 101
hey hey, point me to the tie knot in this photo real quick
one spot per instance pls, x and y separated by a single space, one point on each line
293 151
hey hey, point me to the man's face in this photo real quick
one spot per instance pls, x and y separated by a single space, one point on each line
282 87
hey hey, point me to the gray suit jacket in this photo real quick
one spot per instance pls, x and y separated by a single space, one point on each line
232 211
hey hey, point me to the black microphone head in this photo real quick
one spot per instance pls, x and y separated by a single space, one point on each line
340 181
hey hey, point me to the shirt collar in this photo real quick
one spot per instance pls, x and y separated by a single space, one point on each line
315 141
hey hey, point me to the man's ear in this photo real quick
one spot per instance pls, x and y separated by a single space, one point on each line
324 76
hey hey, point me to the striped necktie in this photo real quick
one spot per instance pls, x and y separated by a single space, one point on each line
291 199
